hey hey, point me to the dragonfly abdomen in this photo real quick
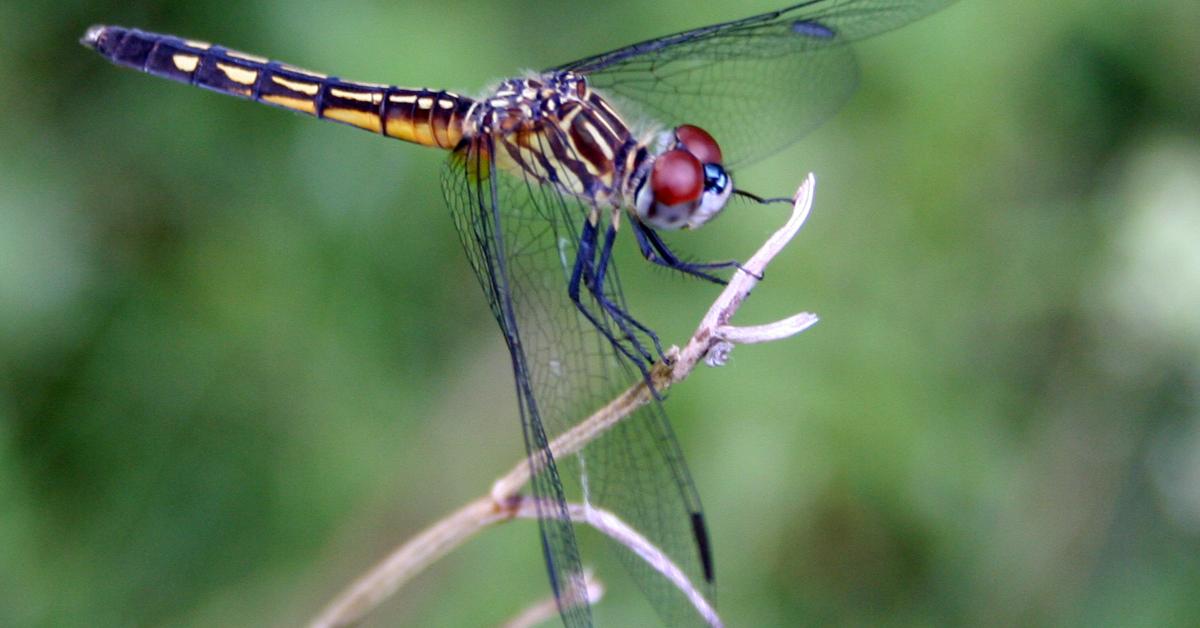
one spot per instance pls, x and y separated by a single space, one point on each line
422 116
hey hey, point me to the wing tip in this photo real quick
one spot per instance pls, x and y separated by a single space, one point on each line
700 530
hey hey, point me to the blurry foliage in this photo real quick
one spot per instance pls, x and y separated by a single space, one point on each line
241 355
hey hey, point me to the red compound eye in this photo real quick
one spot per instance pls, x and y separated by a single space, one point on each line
677 177
699 143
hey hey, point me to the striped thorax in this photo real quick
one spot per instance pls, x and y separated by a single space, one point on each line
557 130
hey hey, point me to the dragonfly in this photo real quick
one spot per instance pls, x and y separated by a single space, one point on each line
543 172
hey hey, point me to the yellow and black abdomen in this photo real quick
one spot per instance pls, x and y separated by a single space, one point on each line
421 116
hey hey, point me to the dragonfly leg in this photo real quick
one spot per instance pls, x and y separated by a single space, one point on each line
597 290
655 250
583 273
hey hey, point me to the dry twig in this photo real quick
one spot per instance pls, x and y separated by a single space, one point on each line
547 609
711 342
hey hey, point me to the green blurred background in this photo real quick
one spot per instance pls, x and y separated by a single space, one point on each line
242 355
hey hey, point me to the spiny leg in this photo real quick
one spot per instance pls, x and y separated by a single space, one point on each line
656 251
583 273
597 289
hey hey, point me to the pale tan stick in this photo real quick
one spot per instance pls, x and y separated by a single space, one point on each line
547 609
711 342
712 332
612 526
408 560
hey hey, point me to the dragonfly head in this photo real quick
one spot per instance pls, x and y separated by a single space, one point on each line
687 185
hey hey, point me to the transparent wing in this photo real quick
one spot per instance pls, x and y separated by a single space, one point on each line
757 84
521 238
503 268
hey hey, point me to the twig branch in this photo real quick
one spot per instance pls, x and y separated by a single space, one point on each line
406 561
612 526
713 330
711 342
547 609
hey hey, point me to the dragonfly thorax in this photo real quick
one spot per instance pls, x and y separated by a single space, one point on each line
556 130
